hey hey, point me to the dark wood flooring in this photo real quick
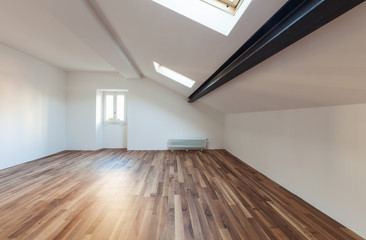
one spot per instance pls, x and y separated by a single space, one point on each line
118 194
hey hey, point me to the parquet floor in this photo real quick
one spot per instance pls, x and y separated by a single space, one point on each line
118 194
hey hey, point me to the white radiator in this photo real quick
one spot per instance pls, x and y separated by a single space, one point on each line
187 143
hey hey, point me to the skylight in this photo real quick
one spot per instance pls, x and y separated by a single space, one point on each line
173 75
206 14
230 6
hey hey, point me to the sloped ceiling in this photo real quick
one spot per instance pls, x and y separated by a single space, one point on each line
152 32
325 68
28 27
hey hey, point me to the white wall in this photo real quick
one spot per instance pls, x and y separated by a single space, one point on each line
316 153
32 108
115 136
154 113
99 119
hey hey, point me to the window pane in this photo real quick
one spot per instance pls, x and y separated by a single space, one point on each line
120 107
109 108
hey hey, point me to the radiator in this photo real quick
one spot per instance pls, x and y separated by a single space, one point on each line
187 143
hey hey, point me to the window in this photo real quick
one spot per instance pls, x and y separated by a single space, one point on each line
174 75
229 6
219 15
232 3
114 107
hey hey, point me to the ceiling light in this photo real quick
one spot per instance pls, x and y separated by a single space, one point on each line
173 75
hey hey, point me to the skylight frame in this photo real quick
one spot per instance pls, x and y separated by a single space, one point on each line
225 5
177 77
233 3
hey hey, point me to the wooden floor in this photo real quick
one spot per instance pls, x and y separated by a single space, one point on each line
115 194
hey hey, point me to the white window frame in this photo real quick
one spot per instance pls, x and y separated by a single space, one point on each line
114 121
233 3
225 5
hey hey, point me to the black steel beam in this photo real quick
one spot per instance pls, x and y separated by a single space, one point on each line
295 20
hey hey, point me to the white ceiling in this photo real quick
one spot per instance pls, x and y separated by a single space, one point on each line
26 26
325 68
152 32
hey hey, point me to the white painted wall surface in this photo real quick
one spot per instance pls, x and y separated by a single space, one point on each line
115 136
32 108
154 113
99 120
316 153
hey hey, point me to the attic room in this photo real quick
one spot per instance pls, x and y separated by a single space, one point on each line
195 119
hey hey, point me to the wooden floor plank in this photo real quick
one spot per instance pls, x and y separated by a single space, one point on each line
119 194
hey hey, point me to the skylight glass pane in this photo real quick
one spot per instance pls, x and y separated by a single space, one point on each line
173 75
120 107
109 108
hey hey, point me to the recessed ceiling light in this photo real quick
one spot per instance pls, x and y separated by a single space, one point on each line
173 75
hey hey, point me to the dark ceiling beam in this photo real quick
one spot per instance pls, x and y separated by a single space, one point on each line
295 20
